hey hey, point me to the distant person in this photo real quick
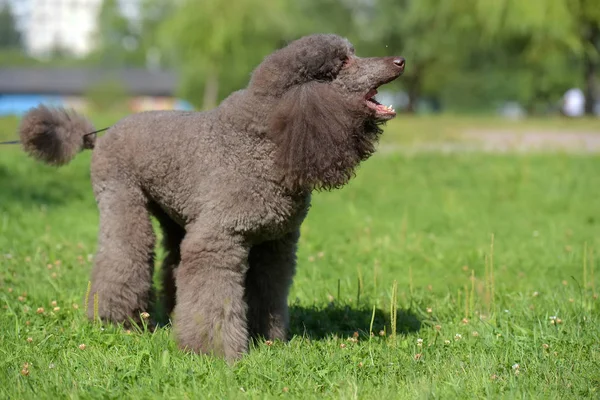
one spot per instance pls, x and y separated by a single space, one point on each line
573 103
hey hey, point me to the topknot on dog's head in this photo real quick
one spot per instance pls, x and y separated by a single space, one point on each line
55 136
317 57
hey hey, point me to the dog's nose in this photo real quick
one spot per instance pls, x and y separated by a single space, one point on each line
399 61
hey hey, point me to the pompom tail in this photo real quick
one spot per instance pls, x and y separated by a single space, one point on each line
55 136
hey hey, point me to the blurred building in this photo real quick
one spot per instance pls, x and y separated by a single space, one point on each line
23 88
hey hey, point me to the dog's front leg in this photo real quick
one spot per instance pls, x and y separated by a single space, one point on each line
210 311
268 281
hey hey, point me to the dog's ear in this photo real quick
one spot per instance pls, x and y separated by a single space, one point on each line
316 134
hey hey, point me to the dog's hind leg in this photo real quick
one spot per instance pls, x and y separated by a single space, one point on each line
272 268
122 273
210 312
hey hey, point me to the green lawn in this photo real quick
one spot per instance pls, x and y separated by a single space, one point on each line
494 259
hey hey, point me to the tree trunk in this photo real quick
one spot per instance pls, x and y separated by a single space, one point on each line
211 91
414 93
590 69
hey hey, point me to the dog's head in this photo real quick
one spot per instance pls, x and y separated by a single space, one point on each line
324 119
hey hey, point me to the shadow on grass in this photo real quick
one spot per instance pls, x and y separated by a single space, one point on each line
320 323
343 320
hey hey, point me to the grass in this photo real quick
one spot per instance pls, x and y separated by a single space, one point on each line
476 274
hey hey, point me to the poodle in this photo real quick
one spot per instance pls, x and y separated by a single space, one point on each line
230 188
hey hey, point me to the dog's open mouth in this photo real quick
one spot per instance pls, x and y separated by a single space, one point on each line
381 112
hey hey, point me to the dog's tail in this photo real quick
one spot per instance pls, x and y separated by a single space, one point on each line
55 136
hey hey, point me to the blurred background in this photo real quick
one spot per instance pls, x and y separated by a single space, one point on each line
505 57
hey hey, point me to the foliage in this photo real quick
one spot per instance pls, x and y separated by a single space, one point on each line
327 16
422 219
117 41
478 52
56 58
434 43
107 95
218 44
468 55
10 37
153 13
16 58
553 39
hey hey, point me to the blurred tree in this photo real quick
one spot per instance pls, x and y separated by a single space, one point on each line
555 37
14 58
10 37
106 95
217 43
588 17
117 38
433 36
470 54
416 29
327 16
124 42
153 13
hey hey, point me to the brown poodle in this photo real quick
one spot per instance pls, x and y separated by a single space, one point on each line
230 188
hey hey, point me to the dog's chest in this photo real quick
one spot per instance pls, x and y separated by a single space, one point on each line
270 217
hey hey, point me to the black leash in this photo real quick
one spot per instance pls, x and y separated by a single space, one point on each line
98 131
87 134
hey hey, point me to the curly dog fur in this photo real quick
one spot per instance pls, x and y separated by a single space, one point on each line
230 188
